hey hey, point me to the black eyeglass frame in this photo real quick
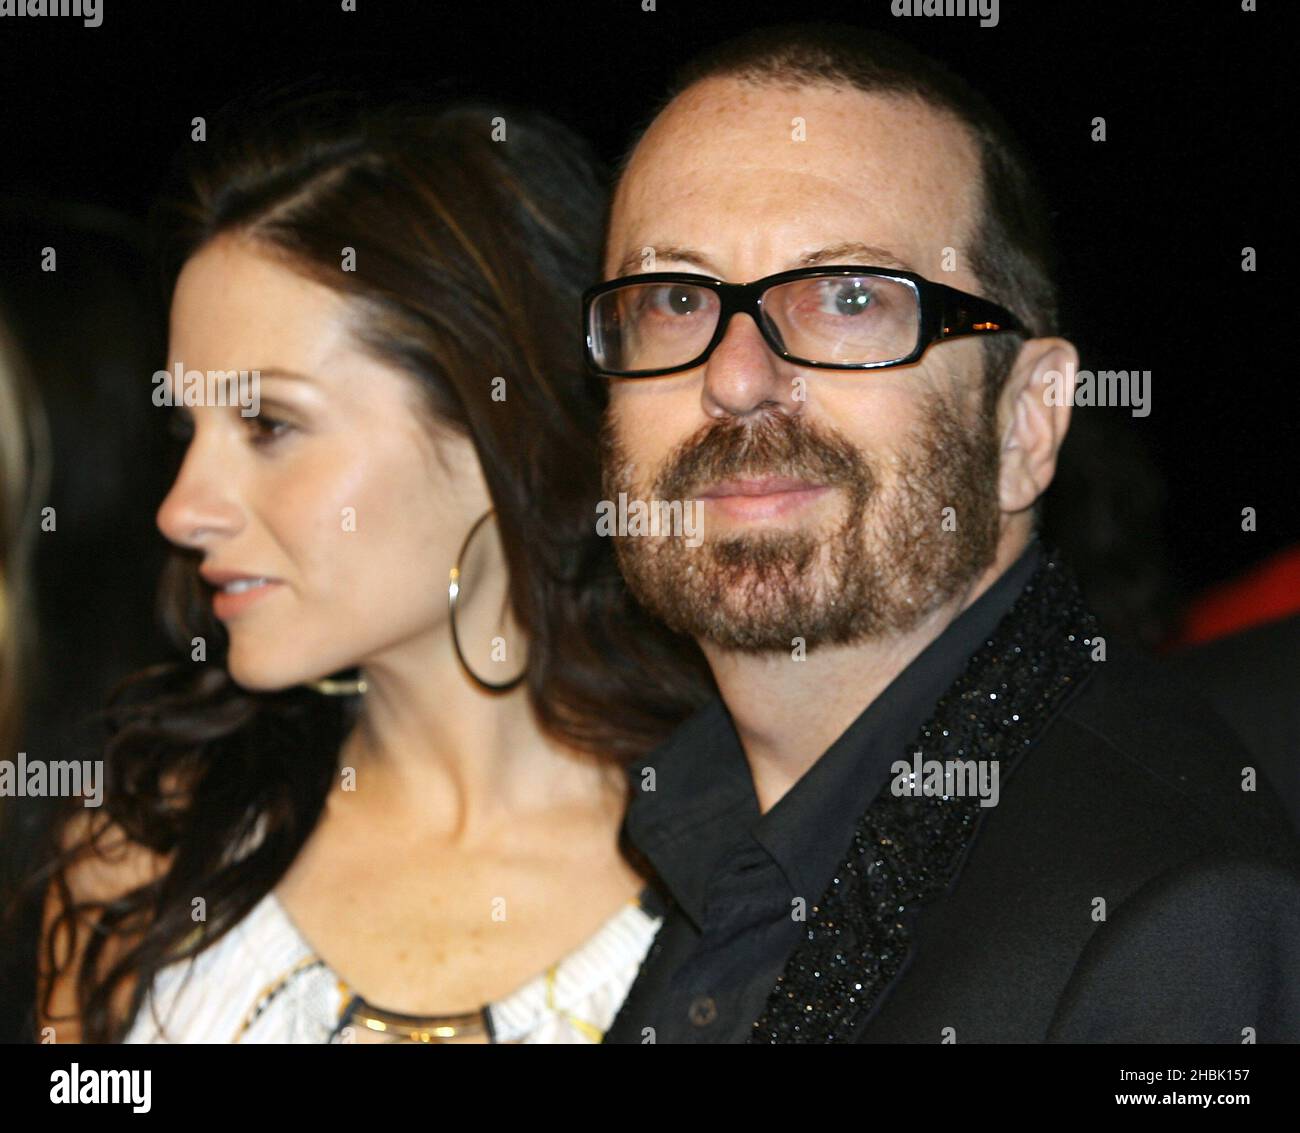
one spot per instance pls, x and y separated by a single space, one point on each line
944 313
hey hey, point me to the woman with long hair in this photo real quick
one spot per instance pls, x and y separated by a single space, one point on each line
379 796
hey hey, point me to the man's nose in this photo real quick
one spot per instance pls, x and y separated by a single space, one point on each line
201 506
744 374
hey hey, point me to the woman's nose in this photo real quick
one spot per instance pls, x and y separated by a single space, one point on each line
201 505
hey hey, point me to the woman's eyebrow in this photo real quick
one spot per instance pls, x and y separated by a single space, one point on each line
292 375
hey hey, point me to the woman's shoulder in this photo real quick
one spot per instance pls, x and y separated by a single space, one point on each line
106 863
102 864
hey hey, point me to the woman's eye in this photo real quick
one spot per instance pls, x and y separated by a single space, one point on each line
267 430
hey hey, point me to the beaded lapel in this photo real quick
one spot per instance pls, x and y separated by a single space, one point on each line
906 850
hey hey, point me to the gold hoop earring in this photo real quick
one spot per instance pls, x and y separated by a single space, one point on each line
453 597
328 686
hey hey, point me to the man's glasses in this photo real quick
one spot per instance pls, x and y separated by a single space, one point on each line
835 318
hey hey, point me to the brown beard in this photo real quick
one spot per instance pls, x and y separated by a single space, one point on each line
886 565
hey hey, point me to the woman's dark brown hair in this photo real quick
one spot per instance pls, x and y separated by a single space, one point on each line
474 229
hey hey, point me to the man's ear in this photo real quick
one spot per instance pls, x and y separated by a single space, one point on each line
1033 416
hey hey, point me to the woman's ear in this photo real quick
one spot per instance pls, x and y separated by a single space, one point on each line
1033 417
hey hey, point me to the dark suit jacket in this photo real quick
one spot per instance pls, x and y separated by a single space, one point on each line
1253 680
1132 795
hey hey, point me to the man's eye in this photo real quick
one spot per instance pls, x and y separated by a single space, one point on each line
847 299
672 300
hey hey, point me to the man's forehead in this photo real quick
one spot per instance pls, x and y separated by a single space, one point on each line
808 166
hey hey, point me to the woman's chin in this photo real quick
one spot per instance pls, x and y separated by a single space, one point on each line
258 682
259 676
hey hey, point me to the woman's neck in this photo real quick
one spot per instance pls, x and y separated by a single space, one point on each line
432 741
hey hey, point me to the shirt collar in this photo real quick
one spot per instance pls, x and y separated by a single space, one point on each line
693 797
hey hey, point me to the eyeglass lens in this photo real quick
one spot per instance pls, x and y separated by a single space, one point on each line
833 319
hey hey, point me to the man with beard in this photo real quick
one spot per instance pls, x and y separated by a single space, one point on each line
869 446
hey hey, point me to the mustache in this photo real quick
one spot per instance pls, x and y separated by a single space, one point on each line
776 444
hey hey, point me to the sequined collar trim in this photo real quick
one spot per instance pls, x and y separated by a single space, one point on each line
906 850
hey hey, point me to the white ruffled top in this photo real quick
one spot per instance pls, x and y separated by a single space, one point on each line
263 983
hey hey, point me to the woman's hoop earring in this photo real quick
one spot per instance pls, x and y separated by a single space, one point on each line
453 597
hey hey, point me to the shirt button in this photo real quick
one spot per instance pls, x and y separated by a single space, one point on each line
702 1011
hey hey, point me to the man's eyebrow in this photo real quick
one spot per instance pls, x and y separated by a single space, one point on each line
631 263
850 251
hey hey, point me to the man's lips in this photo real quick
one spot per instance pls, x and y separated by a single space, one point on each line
765 497
762 486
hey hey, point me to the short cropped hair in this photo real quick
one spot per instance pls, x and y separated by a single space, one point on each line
1011 251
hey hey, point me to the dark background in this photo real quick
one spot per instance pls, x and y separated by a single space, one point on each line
1151 223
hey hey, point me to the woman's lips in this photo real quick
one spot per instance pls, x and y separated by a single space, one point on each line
765 497
239 595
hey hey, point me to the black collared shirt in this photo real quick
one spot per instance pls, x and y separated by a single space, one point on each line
736 875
